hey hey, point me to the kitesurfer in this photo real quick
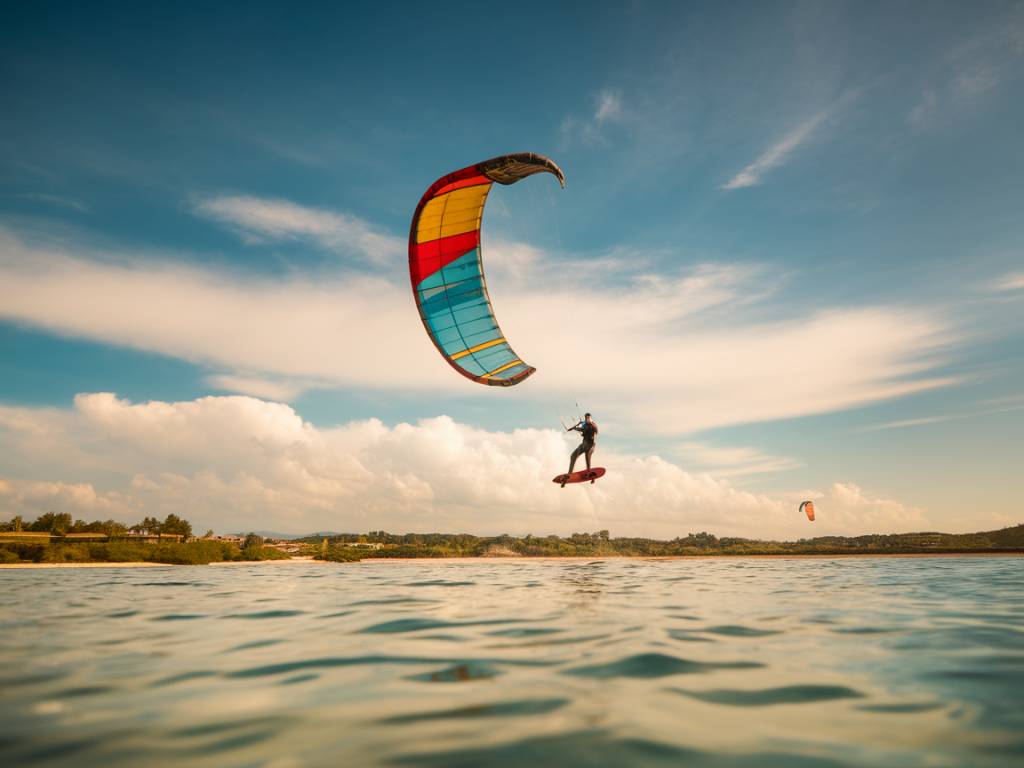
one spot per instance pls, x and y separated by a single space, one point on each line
587 428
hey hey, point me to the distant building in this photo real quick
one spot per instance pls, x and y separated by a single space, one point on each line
155 538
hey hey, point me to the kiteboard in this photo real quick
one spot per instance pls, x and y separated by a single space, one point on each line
581 476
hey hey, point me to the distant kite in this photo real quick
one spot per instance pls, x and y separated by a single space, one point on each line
808 507
447 274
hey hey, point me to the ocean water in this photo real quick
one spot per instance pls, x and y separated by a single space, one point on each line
716 662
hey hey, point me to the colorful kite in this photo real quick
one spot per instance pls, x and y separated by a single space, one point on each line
807 507
446 269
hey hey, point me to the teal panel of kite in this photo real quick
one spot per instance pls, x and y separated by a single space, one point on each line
446 269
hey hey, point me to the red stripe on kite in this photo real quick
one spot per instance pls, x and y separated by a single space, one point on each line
427 258
470 182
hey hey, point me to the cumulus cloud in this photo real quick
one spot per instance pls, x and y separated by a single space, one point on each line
81 500
257 219
777 154
654 354
848 506
238 463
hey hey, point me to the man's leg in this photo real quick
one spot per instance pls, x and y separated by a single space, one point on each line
589 453
575 455
572 462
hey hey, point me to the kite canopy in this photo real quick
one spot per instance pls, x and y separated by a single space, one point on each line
446 268
808 508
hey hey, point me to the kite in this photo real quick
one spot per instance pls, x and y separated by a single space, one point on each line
446 268
808 508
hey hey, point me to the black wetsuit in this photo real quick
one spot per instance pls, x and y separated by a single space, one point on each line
586 448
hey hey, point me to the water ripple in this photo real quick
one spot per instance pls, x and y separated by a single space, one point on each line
414 625
493 709
645 665
788 694
904 663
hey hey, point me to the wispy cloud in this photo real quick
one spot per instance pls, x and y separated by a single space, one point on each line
63 202
734 461
233 460
609 107
590 131
257 386
777 154
1011 281
257 219
1013 404
971 71
654 356
903 423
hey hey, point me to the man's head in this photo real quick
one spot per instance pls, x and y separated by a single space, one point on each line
586 416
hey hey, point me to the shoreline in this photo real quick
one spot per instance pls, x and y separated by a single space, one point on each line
522 559
591 558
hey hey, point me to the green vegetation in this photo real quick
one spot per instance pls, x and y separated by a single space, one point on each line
119 547
351 546
60 524
30 542
342 554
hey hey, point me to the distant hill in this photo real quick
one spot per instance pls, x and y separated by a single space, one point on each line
289 536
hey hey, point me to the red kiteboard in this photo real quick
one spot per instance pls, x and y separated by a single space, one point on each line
580 477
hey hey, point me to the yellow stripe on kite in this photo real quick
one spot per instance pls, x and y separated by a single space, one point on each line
478 347
503 368
452 213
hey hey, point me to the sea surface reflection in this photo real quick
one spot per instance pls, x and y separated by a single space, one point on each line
716 662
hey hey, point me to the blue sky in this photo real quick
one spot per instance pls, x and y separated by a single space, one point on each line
788 263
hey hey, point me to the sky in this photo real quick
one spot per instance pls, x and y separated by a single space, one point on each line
788 264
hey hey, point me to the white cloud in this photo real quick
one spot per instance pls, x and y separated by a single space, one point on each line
1012 281
257 219
734 461
903 423
846 506
668 353
257 386
609 107
237 463
776 154
33 498
1006 405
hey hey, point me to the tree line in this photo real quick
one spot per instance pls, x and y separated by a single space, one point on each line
60 523
601 543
